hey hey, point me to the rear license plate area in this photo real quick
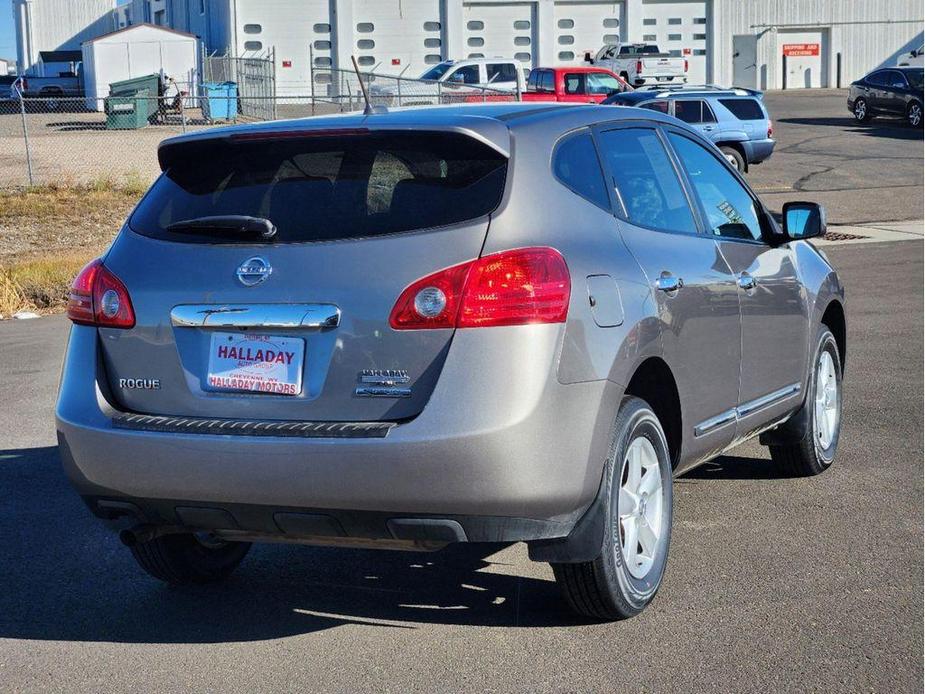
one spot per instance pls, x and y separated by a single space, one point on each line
253 363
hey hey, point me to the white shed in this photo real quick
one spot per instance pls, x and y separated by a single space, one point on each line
136 51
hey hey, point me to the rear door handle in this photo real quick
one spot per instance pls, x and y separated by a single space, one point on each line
669 283
747 282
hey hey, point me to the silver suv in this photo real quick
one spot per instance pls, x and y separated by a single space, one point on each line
488 323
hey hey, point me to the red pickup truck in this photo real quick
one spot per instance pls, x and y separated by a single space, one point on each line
573 84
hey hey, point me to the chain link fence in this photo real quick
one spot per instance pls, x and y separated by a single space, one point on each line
70 141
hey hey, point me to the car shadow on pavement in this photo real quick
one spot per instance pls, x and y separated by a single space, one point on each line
892 128
733 467
64 576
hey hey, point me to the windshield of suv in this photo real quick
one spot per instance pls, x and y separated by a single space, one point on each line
322 188
915 78
436 72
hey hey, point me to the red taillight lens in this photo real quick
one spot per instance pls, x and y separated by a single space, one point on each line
98 297
638 66
685 65
770 129
518 287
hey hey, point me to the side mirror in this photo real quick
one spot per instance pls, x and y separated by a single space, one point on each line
804 220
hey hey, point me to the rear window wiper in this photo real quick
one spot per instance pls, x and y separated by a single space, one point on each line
233 224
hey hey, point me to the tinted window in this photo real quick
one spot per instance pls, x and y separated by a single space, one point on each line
689 111
646 180
574 83
547 81
730 209
895 79
325 188
465 75
501 72
744 109
575 164
437 71
915 77
660 106
531 80
879 78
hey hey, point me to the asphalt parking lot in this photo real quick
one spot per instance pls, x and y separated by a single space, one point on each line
773 583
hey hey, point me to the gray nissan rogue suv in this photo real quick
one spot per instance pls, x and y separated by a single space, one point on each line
484 323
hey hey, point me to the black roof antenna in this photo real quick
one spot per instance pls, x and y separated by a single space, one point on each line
369 110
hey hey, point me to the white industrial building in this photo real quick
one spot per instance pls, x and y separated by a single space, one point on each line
743 42
56 25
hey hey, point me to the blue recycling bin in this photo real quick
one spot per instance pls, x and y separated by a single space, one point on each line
219 100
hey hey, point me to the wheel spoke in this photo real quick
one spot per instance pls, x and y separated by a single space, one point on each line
648 538
635 467
627 501
651 482
630 540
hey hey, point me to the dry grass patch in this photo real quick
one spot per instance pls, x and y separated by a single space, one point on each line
48 234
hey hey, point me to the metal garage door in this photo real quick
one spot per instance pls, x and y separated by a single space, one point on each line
500 30
807 58
583 27
287 27
394 36
680 27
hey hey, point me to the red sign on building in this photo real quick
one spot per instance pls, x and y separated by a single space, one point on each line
797 49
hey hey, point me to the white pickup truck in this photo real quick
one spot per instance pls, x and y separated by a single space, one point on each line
640 63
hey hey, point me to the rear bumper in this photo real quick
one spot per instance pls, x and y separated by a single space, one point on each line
665 79
756 151
505 451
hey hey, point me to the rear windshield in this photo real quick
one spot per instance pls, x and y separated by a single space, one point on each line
744 109
326 188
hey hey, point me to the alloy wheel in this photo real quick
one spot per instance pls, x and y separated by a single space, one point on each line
826 403
915 115
640 529
860 109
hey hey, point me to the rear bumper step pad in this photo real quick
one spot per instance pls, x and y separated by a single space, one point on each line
245 427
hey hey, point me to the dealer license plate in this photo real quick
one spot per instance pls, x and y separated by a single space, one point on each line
245 362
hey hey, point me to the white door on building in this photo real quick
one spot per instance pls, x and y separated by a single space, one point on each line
394 36
500 30
583 27
806 53
680 28
745 61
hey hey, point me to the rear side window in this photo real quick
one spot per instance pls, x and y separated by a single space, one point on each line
547 81
325 188
646 180
501 72
576 165
744 109
574 83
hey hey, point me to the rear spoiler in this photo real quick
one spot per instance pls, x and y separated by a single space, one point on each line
490 132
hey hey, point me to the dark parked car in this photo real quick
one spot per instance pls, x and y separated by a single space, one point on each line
895 91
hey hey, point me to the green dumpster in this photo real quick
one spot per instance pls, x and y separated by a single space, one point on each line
128 111
131 87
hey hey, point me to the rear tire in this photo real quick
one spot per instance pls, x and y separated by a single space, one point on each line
622 580
734 157
184 558
914 114
861 110
814 453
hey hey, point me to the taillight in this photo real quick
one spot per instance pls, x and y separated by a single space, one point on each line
98 297
638 66
685 65
770 129
518 287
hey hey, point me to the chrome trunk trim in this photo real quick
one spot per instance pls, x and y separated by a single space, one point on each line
273 316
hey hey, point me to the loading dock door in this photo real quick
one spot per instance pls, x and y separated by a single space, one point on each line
806 52
680 28
500 30
583 27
